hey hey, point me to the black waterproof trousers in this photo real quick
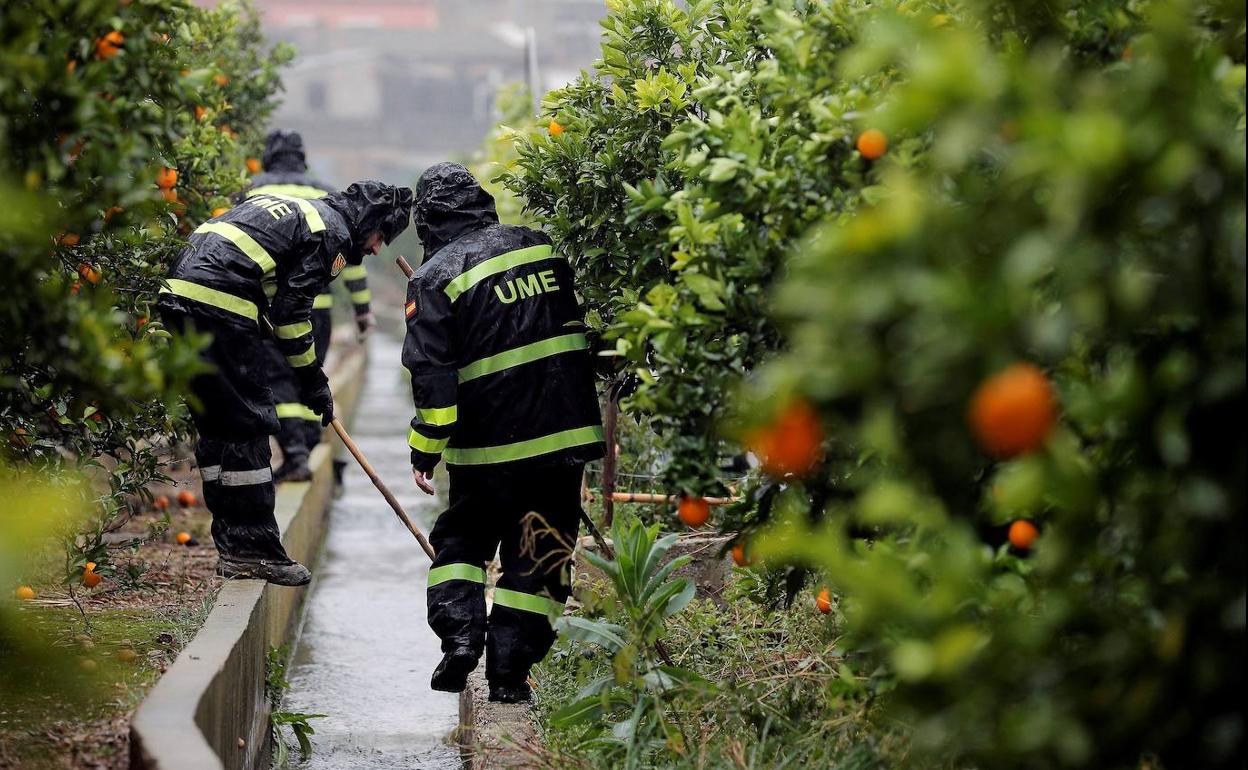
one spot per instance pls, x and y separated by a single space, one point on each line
235 417
301 428
489 512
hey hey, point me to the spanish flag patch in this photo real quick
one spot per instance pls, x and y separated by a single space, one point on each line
409 309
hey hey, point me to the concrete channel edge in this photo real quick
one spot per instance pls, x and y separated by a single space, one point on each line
208 711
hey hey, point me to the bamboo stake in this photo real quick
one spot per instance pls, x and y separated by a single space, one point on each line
649 497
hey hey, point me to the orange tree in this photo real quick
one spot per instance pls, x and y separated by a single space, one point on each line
1044 322
677 174
124 124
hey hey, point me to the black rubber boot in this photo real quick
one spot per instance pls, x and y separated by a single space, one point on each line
451 675
295 470
292 574
504 693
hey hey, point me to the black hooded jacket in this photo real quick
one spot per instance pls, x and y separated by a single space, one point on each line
286 169
272 254
495 342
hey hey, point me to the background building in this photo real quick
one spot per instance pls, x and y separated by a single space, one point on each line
384 88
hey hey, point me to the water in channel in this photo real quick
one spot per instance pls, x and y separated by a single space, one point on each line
365 654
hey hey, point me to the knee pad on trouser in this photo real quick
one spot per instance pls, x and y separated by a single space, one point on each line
521 633
238 491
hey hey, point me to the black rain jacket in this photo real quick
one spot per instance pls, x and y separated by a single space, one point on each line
272 254
501 372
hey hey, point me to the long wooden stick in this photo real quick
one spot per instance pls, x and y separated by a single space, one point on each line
381 485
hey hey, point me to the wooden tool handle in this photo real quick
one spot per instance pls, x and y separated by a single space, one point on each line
381 486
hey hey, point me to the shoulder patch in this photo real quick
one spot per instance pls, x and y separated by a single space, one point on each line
409 309
339 263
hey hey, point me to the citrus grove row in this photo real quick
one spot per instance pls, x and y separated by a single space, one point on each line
968 281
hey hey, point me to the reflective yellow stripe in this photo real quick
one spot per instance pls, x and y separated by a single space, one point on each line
354 272
243 241
296 411
303 359
361 297
443 415
456 571
208 296
523 355
495 265
428 445
323 302
518 600
289 190
524 449
313 217
293 331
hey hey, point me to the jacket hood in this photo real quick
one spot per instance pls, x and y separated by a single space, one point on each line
367 206
283 151
449 204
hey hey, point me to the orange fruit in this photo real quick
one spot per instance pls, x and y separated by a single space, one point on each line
1013 412
160 503
220 79
108 46
75 287
170 195
89 566
823 602
200 112
112 211
219 210
140 322
186 498
872 144
71 65
792 443
253 165
1023 534
24 593
98 417
183 538
693 511
89 273
91 579
738 555
69 239
166 177
554 128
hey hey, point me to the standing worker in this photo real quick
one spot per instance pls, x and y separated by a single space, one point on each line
269 256
503 388
286 173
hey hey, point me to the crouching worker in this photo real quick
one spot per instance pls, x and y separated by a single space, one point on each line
503 386
266 257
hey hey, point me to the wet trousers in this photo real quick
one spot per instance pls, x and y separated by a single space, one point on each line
490 512
234 417
300 428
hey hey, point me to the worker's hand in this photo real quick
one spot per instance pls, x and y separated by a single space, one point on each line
423 480
314 391
364 323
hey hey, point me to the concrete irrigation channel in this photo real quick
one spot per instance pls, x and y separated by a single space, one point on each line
365 652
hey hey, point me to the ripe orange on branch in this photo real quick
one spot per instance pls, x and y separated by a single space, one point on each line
792 443
872 144
1013 412
253 165
693 511
183 538
739 556
1023 534
555 128
823 602
166 177
91 579
186 498
108 46
161 502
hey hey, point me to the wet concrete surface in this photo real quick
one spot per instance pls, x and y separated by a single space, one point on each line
366 653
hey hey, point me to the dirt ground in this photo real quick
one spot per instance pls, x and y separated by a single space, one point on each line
97 651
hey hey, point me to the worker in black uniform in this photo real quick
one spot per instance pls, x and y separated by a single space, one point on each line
503 389
286 173
269 256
